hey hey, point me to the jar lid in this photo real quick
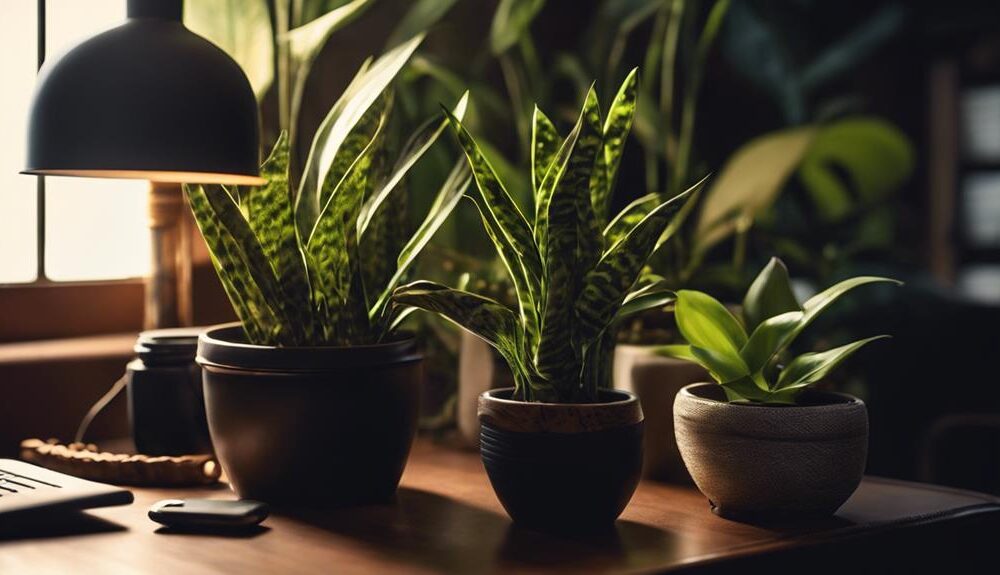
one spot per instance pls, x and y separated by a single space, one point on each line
173 345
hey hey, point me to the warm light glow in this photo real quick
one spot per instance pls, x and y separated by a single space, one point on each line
153 176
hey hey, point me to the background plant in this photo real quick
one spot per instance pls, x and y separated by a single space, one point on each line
314 262
746 355
573 271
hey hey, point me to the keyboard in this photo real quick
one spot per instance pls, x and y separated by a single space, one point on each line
28 489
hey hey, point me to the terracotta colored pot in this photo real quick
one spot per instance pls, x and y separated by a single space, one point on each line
562 467
769 462
316 426
656 380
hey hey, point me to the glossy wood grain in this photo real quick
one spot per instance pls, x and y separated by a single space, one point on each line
447 520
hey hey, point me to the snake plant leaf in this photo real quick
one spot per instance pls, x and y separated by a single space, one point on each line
451 192
809 368
421 16
723 366
545 143
511 21
616 131
768 338
500 207
553 175
707 324
357 140
268 209
306 41
419 143
631 215
249 303
676 351
653 296
242 29
359 96
607 284
571 247
769 295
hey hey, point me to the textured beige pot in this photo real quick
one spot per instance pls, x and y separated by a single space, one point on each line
765 462
480 369
656 381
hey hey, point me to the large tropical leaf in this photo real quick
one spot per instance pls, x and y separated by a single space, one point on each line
364 90
769 295
749 183
809 368
242 28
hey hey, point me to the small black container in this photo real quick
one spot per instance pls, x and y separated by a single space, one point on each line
165 401
311 426
562 467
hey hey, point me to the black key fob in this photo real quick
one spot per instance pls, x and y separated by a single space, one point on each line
208 513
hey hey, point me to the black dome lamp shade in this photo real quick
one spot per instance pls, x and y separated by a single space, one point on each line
149 100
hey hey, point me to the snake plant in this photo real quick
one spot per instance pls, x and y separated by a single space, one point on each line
573 271
318 266
744 354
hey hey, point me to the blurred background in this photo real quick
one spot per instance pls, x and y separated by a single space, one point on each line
847 138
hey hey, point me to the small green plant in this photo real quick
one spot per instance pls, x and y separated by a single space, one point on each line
744 355
574 273
318 266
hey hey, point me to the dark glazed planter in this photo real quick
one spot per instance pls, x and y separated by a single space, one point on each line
316 426
562 467
766 462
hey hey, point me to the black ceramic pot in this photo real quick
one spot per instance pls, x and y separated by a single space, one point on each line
562 467
310 426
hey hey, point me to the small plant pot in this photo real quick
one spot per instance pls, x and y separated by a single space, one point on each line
562 467
771 462
656 380
315 426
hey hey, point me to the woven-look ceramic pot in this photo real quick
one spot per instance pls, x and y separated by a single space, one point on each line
772 462
562 467
310 426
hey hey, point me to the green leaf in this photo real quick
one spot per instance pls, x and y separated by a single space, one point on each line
241 28
723 366
545 143
511 21
606 286
768 338
415 148
421 16
269 212
629 217
744 389
305 42
677 351
707 324
446 200
366 88
749 183
819 302
616 130
655 295
854 163
769 295
810 368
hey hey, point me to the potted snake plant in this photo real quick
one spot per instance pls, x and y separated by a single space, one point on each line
562 449
313 396
761 442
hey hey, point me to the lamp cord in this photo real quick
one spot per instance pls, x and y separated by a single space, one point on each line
99 406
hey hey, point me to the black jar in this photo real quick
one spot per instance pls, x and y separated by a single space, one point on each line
166 405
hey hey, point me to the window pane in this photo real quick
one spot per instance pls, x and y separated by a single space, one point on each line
18 223
95 229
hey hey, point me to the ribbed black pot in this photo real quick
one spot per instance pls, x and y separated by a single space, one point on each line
310 426
562 467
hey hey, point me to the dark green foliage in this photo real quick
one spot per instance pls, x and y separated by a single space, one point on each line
306 275
574 281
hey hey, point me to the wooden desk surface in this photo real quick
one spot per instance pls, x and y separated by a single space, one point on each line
447 520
